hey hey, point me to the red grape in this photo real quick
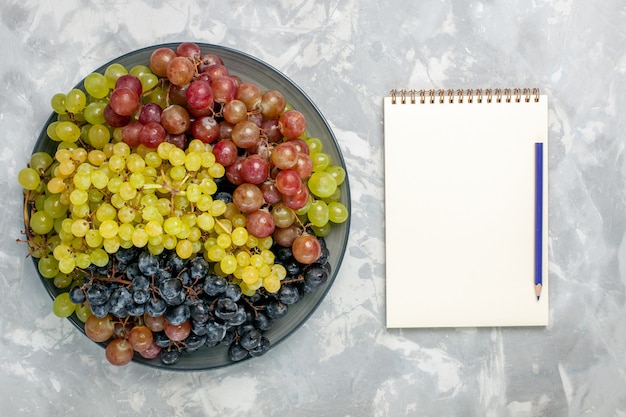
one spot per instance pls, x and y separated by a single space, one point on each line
255 169
189 50
114 119
208 60
233 172
285 236
271 130
226 129
206 129
306 249
270 192
216 71
177 333
250 94
260 223
245 134
140 338
272 104
99 329
199 94
235 111
224 89
285 155
119 352
180 70
225 152
150 112
154 323
175 119
292 124
124 101
159 60
288 182
178 94
299 199
130 133
304 165
301 145
248 197
151 352
179 140
131 82
152 134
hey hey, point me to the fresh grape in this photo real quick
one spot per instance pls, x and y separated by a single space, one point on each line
119 352
28 178
178 208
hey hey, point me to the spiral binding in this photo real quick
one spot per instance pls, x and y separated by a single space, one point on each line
488 95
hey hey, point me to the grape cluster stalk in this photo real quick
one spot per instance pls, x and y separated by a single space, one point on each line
183 208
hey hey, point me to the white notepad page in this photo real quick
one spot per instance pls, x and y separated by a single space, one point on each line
460 213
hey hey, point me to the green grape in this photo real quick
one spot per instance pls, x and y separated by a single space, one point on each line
28 178
322 184
99 136
96 85
62 306
67 265
108 229
321 161
95 195
158 96
40 202
62 280
271 283
135 163
94 113
75 101
184 249
79 197
113 72
228 264
322 231
111 245
99 179
82 312
138 70
48 266
51 131
80 227
67 131
82 260
148 82
338 173
338 213
41 222
140 237
82 179
40 161
154 228
315 145
53 206
99 257
58 103
125 232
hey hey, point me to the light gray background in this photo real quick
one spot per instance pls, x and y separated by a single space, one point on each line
347 54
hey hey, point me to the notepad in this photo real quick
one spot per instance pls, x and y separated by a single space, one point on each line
461 201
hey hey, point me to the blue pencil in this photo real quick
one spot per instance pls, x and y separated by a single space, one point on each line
538 218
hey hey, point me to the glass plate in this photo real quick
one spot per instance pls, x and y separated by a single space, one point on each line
253 70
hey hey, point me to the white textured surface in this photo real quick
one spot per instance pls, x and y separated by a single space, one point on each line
346 54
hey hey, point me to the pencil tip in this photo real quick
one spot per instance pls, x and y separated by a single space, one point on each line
538 291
